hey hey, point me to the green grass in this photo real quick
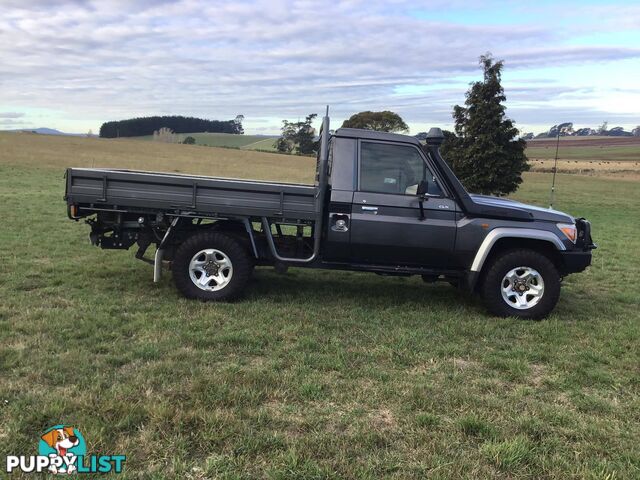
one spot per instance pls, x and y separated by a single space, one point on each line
251 142
228 140
317 374
267 144
615 153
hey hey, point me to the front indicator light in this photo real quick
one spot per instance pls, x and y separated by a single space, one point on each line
569 231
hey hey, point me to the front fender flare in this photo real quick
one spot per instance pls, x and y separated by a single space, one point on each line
504 232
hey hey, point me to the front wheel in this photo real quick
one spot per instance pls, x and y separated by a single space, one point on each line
521 283
211 266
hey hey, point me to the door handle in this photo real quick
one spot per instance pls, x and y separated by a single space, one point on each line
373 210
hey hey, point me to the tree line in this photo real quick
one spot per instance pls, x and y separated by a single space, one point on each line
298 136
301 136
485 151
566 130
137 127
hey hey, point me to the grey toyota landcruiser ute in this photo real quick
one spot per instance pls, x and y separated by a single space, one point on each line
381 203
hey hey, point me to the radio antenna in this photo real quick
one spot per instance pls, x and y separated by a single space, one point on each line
555 169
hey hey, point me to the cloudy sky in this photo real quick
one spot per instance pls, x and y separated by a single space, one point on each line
72 65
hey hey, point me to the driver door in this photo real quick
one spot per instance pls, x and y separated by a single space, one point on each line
386 228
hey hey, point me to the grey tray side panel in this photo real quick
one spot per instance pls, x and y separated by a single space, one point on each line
124 189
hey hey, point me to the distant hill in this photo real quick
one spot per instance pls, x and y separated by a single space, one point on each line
44 131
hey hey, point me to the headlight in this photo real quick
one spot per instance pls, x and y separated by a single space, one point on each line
569 230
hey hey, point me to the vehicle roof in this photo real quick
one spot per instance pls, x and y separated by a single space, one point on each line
373 135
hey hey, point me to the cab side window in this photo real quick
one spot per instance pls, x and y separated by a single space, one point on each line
398 169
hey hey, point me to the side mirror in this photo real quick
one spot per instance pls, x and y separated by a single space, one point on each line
423 188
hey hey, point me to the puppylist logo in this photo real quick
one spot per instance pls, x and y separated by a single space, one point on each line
62 450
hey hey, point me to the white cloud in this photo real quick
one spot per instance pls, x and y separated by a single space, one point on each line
103 60
11 114
8 122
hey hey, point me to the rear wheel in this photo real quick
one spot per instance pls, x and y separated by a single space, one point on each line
521 283
211 266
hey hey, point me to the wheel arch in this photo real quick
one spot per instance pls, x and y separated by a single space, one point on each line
240 229
501 240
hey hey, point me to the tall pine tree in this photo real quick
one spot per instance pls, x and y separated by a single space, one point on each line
485 152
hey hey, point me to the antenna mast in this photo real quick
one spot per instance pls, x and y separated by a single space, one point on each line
555 169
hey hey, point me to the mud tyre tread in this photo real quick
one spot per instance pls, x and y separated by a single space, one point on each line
240 259
498 268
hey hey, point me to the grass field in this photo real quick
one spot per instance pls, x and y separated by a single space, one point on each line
61 152
249 142
618 156
315 374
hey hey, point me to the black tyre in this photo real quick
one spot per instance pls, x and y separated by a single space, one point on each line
211 266
521 283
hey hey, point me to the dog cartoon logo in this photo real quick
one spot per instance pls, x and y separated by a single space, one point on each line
62 450
63 441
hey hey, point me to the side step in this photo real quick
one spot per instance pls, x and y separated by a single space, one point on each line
395 269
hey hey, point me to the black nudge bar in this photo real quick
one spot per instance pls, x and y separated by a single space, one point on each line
584 235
